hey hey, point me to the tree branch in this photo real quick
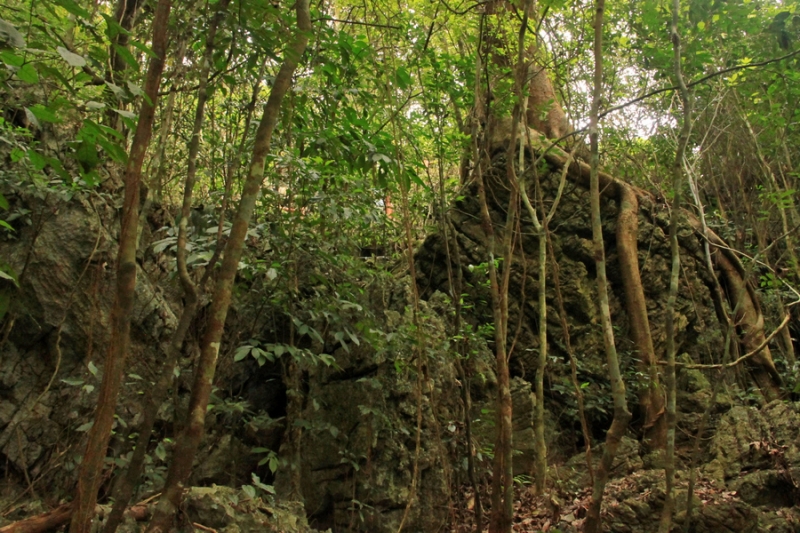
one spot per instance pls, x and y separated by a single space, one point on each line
742 358
698 81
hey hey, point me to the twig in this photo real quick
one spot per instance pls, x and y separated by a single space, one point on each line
148 500
742 358
204 528
698 81
22 460
357 23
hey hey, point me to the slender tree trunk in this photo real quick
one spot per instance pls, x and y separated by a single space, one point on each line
540 444
158 394
91 469
621 414
189 439
502 466
562 315
545 114
502 474
677 186
478 114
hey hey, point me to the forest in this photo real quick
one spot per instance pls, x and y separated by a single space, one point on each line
415 266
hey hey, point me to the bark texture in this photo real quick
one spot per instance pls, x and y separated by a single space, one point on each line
189 439
91 470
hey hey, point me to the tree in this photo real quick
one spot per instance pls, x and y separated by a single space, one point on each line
189 439
621 414
94 457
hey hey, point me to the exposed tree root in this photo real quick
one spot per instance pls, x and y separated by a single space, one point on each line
43 522
749 323
740 293
652 397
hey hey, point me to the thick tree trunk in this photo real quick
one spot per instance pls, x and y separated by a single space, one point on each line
189 439
91 469
750 324
652 398
749 317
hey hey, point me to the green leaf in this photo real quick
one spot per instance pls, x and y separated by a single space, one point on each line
6 225
113 27
28 74
74 8
403 78
74 60
87 155
10 58
249 490
161 452
37 160
73 382
53 73
3 202
118 91
134 89
242 352
126 56
45 114
353 337
85 427
143 48
127 114
4 274
92 368
414 177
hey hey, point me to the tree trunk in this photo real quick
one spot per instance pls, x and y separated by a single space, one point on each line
125 15
92 465
124 492
189 439
621 414
677 185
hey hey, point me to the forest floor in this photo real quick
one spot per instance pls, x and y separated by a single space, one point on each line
631 503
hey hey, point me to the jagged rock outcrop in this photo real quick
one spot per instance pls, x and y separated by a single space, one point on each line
359 449
698 331
57 330
357 456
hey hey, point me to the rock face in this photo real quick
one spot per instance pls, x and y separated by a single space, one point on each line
216 508
756 453
380 424
53 357
359 454
697 326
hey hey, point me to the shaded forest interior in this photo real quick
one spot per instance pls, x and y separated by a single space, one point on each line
503 266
